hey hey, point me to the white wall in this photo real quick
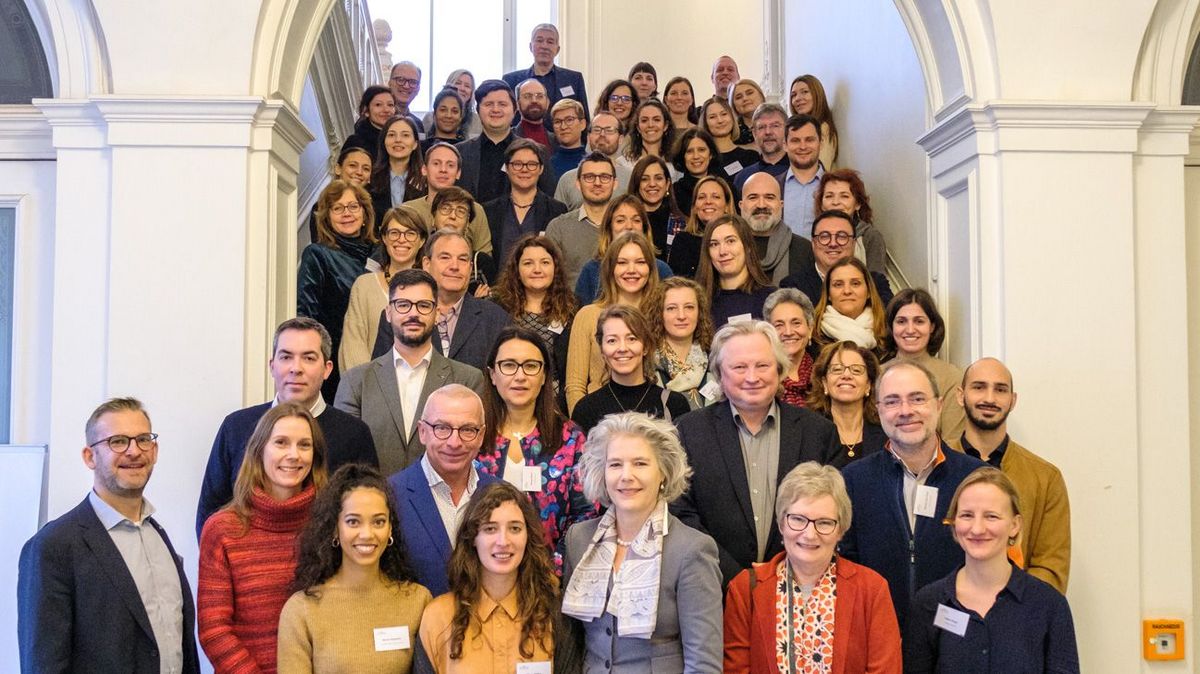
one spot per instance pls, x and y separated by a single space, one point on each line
864 57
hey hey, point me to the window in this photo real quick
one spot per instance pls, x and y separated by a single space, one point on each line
441 36
8 228
24 74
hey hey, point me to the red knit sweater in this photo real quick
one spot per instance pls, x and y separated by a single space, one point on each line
244 579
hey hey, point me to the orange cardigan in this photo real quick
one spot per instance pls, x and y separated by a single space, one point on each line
866 636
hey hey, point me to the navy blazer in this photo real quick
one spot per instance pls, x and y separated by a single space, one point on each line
718 500
421 529
78 609
555 81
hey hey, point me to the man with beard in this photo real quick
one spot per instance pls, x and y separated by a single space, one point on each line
833 235
768 123
724 74
780 251
577 232
389 392
802 136
988 397
604 137
531 103
483 156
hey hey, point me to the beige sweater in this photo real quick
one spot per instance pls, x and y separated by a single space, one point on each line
336 633
585 366
368 298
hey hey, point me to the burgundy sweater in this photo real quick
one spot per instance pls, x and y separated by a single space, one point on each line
244 579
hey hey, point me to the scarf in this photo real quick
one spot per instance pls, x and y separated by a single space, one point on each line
634 597
779 242
859 330
804 627
356 247
687 375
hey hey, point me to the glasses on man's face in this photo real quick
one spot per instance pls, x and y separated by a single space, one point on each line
565 121
394 235
339 209
524 165
892 403
509 367
620 98
424 307
120 443
839 370
825 238
406 82
798 523
605 131
466 433
533 96
454 209
593 178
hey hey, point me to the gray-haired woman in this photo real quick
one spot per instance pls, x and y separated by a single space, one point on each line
645 587
791 313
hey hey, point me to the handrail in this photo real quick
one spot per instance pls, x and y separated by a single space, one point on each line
362 35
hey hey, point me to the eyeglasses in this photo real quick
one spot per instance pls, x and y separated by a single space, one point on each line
509 367
424 307
406 81
838 370
565 121
800 523
824 238
914 400
620 98
444 431
524 165
533 96
120 443
453 209
605 131
338 209
394 235
592 178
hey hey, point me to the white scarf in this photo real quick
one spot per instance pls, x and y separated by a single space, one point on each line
634 598
859 330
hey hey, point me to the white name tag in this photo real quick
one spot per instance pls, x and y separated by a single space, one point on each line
557 328
670 239
740 317
733 167
391 638
925 503
525 478
567 91
951 620
710 390
533 667
420 135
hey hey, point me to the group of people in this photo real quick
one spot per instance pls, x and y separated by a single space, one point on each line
538 414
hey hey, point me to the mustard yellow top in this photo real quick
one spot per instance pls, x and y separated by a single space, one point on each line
492 642
585 366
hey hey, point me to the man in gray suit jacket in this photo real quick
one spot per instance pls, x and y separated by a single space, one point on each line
389 392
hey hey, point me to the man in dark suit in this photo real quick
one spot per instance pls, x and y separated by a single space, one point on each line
466 325
389 392
301 359
432 494
833 236
559 82
740 449
100 589
483 155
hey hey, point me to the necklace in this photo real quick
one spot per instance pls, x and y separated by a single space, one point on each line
623 408
623 544
850 448
516 205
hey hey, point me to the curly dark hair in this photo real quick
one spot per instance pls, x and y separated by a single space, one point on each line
537 586
549 419
318 560
560 302
637 148
818 396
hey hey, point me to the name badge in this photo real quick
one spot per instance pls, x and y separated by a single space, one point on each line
925 504
740 317
710 390
951 620
733 167
525 478
557 328
420 135
391 638
567 91
533 667
670 240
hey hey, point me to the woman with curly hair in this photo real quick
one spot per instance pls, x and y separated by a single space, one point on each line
528 442
651 133
532 288
504 608
619 100
247 549
356 603
681 326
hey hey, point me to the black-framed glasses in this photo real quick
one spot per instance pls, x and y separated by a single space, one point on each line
394 235
352 207
466 433
565 121
120 443
825 238
406 81
509 367
524 165
403 306
798 523
602 178
839 370
604 131
620 98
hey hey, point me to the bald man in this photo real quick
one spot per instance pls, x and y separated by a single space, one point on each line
988 397
724 74
781 251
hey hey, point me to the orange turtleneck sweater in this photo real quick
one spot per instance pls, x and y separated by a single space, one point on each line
244 578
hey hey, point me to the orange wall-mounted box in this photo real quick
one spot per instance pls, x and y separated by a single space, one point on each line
1162 639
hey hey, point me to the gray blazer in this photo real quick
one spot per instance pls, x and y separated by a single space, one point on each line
371 392
479 323
688 635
